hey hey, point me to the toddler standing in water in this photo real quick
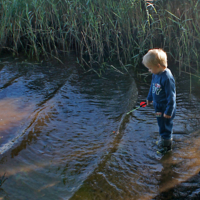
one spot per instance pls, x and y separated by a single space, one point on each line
163 95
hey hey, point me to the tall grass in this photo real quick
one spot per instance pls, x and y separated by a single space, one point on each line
102 30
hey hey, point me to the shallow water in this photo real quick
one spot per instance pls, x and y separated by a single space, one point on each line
66 135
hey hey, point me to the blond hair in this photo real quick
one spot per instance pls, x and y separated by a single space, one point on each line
155 57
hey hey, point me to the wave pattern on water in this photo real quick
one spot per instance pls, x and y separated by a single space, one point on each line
67 132
67 136
134 170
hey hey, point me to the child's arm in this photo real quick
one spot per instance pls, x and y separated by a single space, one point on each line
150 97
170 91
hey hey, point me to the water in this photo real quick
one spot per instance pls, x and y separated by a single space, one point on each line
66 135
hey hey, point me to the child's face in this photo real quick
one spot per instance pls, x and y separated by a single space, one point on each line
155 69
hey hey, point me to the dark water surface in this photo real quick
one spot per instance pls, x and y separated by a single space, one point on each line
66 135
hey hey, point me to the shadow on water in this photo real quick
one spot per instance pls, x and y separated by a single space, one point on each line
188 189
180 174
66 135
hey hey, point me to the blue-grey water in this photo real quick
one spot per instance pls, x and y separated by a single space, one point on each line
65 134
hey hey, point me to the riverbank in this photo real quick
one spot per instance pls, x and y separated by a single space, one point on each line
102 31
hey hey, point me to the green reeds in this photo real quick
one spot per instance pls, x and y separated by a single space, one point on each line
100 31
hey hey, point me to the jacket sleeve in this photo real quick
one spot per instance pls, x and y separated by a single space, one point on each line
150 96
170 91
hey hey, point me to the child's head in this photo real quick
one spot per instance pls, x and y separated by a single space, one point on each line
155 60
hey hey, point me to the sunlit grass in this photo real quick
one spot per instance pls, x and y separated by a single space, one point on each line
101 31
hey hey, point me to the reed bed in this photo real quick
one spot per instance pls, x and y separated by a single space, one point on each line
100 31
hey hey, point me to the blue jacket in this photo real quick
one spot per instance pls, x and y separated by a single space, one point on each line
163 92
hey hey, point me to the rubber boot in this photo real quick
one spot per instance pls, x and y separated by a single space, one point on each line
164 146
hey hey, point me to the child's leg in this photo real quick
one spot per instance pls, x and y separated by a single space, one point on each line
165 126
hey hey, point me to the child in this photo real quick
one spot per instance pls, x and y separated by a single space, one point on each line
163 95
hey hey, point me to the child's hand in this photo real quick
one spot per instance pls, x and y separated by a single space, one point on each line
167 116
148 102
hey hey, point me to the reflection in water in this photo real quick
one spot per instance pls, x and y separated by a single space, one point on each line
68 131
76 141
134 171
182 164
12 117
11 114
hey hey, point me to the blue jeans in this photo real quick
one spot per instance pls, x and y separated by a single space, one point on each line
165 125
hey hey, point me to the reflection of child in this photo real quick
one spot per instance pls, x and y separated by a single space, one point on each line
163 95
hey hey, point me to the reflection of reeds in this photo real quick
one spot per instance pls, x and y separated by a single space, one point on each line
102 30
2 179
194 75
